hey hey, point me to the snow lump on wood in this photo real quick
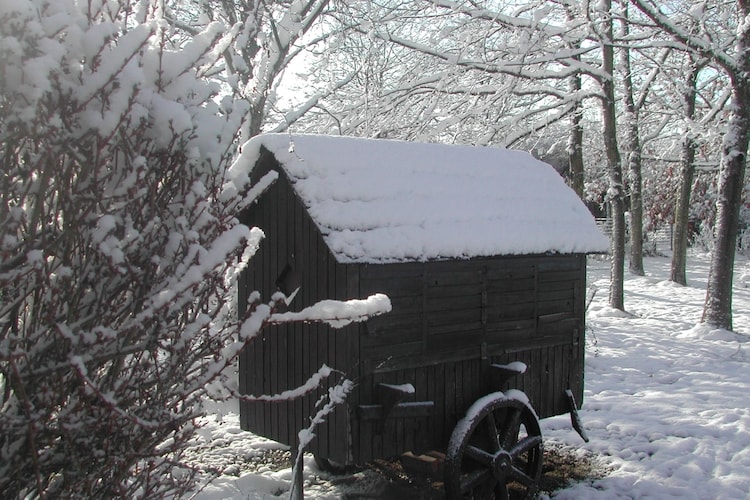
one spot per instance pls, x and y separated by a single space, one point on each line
382 201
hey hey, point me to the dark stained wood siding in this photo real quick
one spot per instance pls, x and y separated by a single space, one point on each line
450 321
284 357
447 311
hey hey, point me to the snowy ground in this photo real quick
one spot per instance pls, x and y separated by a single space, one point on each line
666 403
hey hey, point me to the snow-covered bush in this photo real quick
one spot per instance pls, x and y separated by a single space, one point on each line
118 246
119 242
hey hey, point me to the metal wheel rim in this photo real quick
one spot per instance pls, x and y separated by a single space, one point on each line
507 465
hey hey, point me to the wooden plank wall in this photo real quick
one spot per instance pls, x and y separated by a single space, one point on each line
451 320
286 356
445 311
452 386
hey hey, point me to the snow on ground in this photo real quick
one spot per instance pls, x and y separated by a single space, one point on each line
666 403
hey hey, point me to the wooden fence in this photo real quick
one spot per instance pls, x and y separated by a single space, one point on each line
655 242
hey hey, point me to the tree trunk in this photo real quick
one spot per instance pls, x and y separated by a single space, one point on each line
687 170
636 206
682 213
575 142
718 308
614 164
575 136
633 145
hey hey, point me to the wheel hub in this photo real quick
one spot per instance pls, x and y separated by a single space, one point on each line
502 463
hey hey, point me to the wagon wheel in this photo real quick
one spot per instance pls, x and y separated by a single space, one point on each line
495 451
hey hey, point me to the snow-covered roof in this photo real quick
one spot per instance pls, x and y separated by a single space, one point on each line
381 201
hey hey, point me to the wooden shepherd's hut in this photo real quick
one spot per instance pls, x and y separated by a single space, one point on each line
482 252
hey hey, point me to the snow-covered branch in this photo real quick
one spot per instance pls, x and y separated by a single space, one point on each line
337 313
703 47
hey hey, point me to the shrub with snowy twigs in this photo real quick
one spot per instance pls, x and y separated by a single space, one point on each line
119 247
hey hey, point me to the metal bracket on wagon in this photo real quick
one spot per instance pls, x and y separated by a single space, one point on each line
390 398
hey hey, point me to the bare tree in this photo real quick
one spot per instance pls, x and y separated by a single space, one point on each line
687 172
633 150
734 61
603 27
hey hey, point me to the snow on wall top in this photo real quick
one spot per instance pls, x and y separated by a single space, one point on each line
379 201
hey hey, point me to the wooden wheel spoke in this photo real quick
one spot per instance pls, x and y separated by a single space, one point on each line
501 492
525 445
517 474
478 455
474 479
492 434
510 428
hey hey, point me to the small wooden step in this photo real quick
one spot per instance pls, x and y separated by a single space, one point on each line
429 463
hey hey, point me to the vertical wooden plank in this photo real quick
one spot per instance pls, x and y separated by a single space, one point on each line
334 336
354 355
281 353
532 377
346 337
262 384
535 358
356 369
323 333
470 382
367 431
441 411
577 367
295 359
478 375
400 436
550 387
559 378
423 307
539 359
306 266
306 296
409 426
567 361
265 290
421 430
270 362
450 374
